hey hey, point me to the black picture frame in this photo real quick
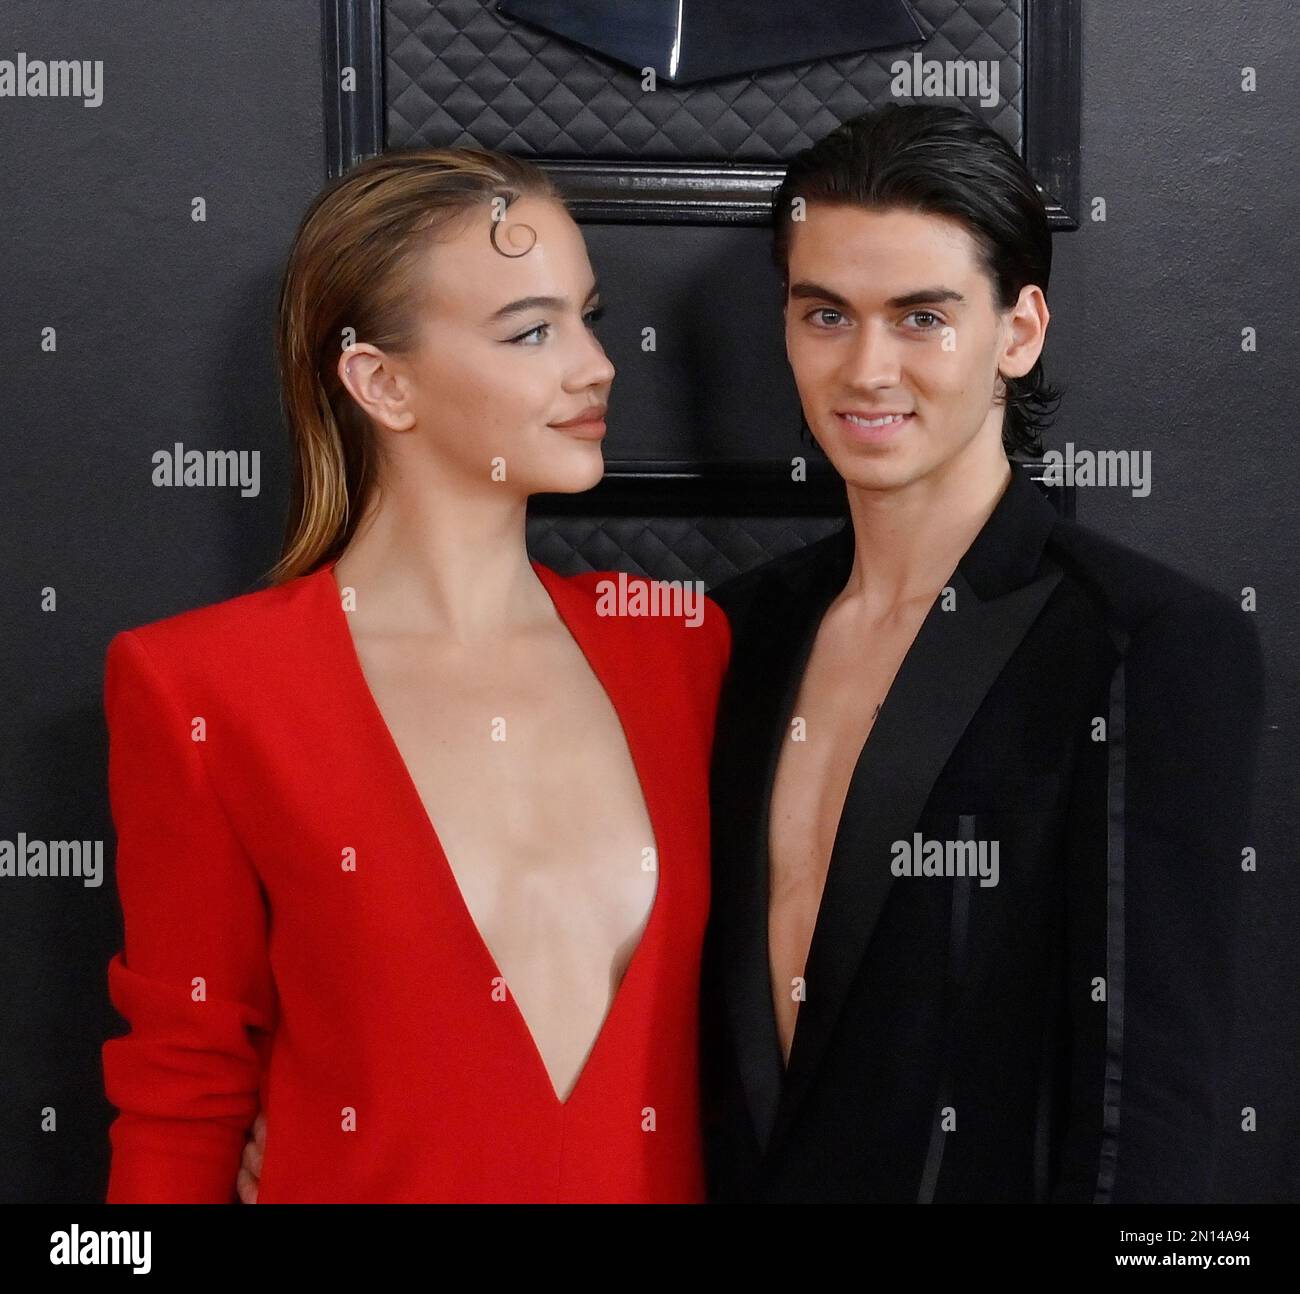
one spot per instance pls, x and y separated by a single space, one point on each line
708 193
755 488
690 193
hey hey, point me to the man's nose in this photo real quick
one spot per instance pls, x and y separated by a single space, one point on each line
873 360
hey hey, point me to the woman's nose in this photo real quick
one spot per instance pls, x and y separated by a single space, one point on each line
595 367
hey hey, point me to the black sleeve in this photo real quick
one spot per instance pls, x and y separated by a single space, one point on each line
733 595
1185 720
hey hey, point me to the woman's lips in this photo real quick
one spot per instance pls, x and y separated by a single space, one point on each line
585 431
589 425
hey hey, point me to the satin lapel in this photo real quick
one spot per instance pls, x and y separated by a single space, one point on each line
752 725
953 662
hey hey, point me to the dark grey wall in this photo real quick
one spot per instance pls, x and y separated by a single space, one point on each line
164 335
1202 239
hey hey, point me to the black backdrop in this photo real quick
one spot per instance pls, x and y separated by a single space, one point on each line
163 329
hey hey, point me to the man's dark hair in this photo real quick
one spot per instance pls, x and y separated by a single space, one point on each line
945 161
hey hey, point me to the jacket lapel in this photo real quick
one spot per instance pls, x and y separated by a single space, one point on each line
1000 586
759 694
944 678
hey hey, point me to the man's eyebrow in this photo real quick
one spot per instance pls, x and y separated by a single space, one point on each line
535 303
925 297
805 289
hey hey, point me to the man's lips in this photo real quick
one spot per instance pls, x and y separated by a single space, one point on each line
870 417
873 426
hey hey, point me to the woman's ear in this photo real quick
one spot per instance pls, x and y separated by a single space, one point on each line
374 382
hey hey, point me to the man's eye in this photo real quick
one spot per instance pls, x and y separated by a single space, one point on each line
825 310
524 337
935 321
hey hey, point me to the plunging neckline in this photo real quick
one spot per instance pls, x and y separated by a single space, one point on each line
408 790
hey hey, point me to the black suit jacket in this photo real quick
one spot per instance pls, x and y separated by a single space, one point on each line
1063 1034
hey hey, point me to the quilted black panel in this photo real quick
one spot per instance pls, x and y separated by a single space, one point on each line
459 73
671 544
711 549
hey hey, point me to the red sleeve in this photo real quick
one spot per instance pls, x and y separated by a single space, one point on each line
193 981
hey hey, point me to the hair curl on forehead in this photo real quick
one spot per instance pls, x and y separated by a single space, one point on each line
505 197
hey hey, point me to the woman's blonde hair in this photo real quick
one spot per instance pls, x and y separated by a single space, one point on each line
352 276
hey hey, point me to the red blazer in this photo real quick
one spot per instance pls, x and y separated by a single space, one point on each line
247 757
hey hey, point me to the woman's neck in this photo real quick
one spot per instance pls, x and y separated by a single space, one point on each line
431 562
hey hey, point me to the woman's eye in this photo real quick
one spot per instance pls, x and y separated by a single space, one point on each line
524 338
823 311
594 314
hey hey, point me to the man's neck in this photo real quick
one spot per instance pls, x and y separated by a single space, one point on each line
908 541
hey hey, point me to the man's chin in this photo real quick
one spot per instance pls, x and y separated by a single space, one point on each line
882 471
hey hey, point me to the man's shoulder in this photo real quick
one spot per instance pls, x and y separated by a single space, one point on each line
738 595
1135 591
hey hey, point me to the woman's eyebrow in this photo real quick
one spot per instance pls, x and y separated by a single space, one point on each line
527 303
535 303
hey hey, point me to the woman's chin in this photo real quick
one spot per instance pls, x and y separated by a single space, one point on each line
573 477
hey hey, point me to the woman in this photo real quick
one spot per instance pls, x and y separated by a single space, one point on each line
413 843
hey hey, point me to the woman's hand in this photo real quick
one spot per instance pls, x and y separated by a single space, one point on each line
250 1168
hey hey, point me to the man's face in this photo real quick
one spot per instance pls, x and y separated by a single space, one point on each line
890 313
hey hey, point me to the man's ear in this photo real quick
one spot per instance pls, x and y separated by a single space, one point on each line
1026 331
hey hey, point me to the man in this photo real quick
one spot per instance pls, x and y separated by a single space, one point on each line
981 776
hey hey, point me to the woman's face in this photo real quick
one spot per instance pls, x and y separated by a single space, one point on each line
506 358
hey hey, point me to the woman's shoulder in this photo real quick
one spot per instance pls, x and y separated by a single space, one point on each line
229 636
